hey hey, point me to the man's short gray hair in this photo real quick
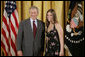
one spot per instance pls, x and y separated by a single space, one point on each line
34 7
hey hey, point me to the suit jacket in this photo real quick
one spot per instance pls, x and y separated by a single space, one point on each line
26 41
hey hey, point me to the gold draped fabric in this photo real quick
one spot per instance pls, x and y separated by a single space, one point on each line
23 9
60 7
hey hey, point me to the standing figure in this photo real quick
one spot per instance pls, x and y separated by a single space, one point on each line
54 35
30 38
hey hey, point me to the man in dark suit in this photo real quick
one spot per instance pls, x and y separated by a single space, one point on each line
31 35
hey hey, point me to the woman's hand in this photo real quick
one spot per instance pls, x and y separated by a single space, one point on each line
47 39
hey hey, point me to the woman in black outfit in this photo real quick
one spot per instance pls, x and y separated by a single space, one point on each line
54 35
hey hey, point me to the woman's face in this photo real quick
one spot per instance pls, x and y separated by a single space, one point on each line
49 16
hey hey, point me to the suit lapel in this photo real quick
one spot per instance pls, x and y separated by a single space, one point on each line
28 26
38 27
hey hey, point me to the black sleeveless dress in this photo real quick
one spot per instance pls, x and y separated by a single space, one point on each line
53 44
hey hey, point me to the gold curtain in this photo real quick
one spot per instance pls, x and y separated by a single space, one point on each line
23 9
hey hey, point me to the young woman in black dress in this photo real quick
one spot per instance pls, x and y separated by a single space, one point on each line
54 35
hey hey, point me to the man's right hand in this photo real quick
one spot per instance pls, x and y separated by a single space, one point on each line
19 53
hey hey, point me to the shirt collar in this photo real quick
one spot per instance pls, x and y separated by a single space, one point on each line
33 20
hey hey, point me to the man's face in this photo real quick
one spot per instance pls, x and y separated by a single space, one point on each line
33 13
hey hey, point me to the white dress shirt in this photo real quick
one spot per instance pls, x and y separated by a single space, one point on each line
31 20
